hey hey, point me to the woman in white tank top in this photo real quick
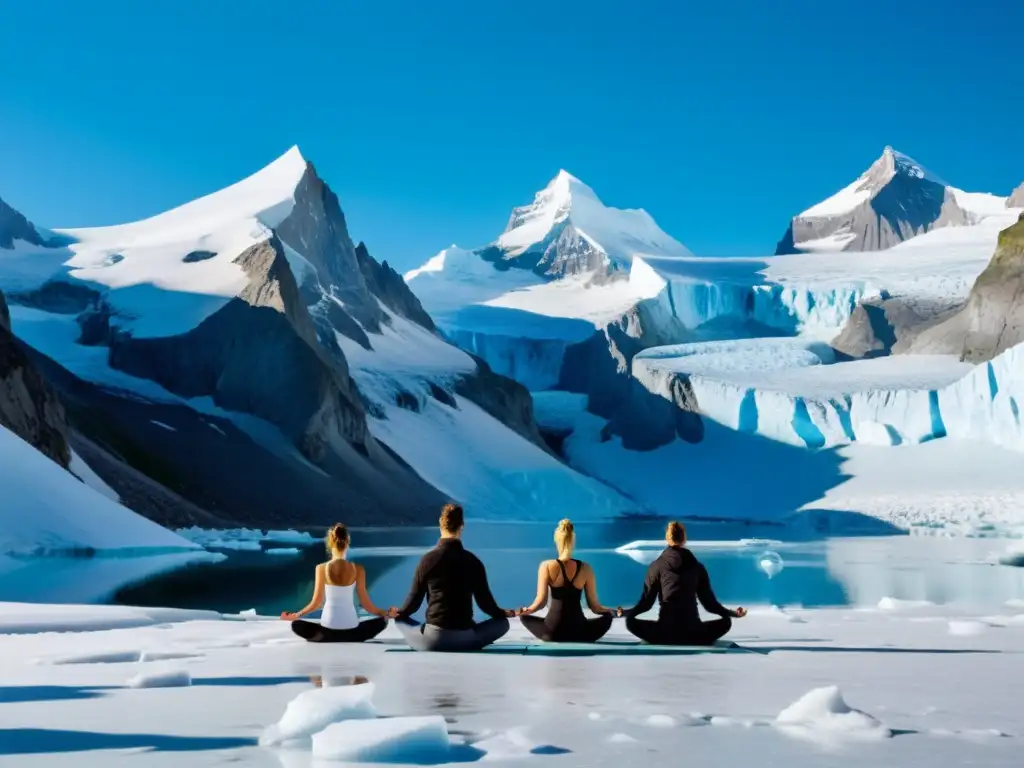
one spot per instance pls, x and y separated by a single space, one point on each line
337 584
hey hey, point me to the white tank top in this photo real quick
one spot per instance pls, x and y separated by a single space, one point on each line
339 610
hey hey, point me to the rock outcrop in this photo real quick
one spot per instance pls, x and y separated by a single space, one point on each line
1016 198
887 325
14 226
993 319
894 200
387 285
28 406
258 354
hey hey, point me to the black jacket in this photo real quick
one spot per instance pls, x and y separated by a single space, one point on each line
678 580
450 576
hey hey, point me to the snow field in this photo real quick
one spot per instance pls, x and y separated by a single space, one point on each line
840 680
47 510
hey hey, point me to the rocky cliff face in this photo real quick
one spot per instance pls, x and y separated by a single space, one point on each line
993 320
14 226
259 354
28 407
1016 198
601 368
894 200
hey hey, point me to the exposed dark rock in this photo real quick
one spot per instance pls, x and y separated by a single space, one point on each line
193 256
94 325
316 228
505 399
442 395
258 354
408 401
14 226
225 472
388 286
143 494
28 407
59 296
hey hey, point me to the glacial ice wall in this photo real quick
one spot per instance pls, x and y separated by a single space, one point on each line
730 301
534 363
790 390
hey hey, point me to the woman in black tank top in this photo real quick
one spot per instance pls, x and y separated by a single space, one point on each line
567 580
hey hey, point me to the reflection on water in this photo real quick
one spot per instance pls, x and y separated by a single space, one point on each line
817 572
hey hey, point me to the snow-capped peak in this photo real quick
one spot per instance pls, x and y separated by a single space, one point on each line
618 233
267 195
890 164
905 165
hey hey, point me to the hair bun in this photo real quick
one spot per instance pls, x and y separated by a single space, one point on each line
565 524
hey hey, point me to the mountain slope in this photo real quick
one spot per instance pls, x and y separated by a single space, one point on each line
567 230
215 340
894 200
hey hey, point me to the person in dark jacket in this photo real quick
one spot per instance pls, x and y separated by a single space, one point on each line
678 580
449 576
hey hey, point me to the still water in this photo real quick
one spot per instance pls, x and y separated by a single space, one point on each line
817 571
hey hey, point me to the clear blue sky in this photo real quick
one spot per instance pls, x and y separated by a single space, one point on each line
432 119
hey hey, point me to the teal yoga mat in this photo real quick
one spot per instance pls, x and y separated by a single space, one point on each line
610 648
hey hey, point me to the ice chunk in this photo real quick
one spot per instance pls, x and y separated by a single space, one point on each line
312 711
173 678
103 657
149 656
621 738
966 628
894 604
388 740
822 713
284 551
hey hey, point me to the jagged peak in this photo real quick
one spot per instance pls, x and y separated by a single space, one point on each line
890 164
899 163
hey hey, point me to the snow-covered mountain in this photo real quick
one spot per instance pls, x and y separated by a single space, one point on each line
894 200
567 230
243 351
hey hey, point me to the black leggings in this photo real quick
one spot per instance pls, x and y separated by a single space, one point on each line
367 630
656 633
589 631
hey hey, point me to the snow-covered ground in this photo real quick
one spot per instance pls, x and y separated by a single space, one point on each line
895 685
46 510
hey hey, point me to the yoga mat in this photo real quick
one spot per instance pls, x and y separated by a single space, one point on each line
611 648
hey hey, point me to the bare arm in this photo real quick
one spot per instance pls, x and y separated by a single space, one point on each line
364 596
318 597
542 591
590 588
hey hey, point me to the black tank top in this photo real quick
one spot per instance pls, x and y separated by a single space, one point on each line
566 608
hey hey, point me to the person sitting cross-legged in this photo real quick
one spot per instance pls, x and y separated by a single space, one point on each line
677 580
567 580
449 576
